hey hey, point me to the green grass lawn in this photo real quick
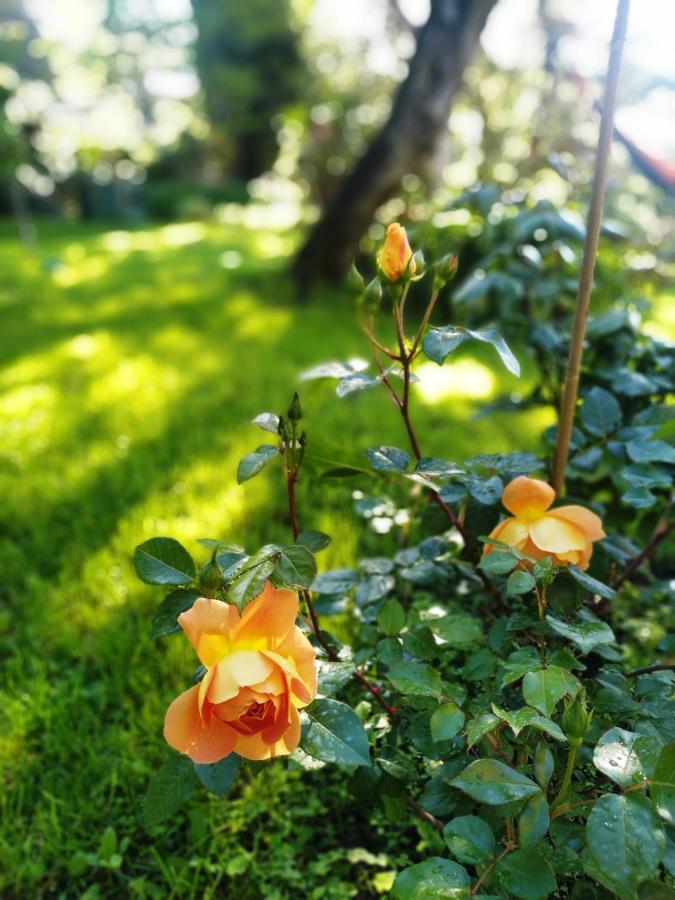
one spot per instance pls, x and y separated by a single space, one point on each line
130 365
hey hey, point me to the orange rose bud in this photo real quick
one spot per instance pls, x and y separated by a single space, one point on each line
395 258
260 670
566 534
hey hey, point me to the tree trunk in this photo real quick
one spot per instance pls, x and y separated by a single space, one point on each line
407 141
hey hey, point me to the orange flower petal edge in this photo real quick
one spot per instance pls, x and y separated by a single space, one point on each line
565 534
260 670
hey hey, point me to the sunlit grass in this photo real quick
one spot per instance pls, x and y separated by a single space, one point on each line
132 363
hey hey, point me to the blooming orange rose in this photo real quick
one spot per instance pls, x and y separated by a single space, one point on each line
395 257
565 534
260 669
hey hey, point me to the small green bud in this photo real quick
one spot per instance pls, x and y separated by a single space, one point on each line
282 428
373 294
355 281
543 765
445 270
295 409
211 578
303 439
576 720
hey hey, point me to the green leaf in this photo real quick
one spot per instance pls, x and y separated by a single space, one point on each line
170 787
457 628
491 336
650 451
499 562
663 784
438 468
313 540
296 566
391 617
446 722
520 582
591 584
526 875
543 765
335 581
334 733
163 560
480 665
519 663
626 757
543 689
175 603
415 678
220 776
587 632
491 781
255 462
388 459
470 839
525 717
433 878
625 839
333 676
479 727
533 821
267 421
249 582
600 413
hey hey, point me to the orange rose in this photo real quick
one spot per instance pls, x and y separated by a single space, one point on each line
395 257
260 669
565 534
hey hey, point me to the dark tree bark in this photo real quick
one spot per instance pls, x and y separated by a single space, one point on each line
407 141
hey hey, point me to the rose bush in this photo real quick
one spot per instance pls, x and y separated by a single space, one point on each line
482 691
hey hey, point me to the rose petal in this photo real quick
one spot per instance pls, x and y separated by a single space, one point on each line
527 498
556 536
270 616
511 531
586 521
204 741
239 669
208 625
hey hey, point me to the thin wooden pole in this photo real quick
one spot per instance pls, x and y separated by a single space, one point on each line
571 389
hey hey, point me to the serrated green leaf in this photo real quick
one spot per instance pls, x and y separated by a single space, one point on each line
600 413
498 562
479 727
334 733
391 617
255 462
662 787
313 540
415 678
457 628
533 822
591 584
170 787
545 688
163 560
175 603
296 566
625 839
429 880
626 757
249 582
520 582
388 459
526 875
446 722
494 783
220 776
470 839
587 632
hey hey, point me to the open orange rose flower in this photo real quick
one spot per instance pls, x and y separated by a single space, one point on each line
566 534
260 669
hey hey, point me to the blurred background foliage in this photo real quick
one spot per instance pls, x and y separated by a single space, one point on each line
160 163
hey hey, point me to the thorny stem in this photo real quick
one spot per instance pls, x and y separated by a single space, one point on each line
292 472
567 777
571 388
510 846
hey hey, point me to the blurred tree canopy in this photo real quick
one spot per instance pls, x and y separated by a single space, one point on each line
249 64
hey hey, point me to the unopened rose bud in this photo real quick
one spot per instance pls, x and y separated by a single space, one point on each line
395 258
295 409
211 578
355 281
576 720
445 270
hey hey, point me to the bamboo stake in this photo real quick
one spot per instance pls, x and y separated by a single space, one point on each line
571 389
